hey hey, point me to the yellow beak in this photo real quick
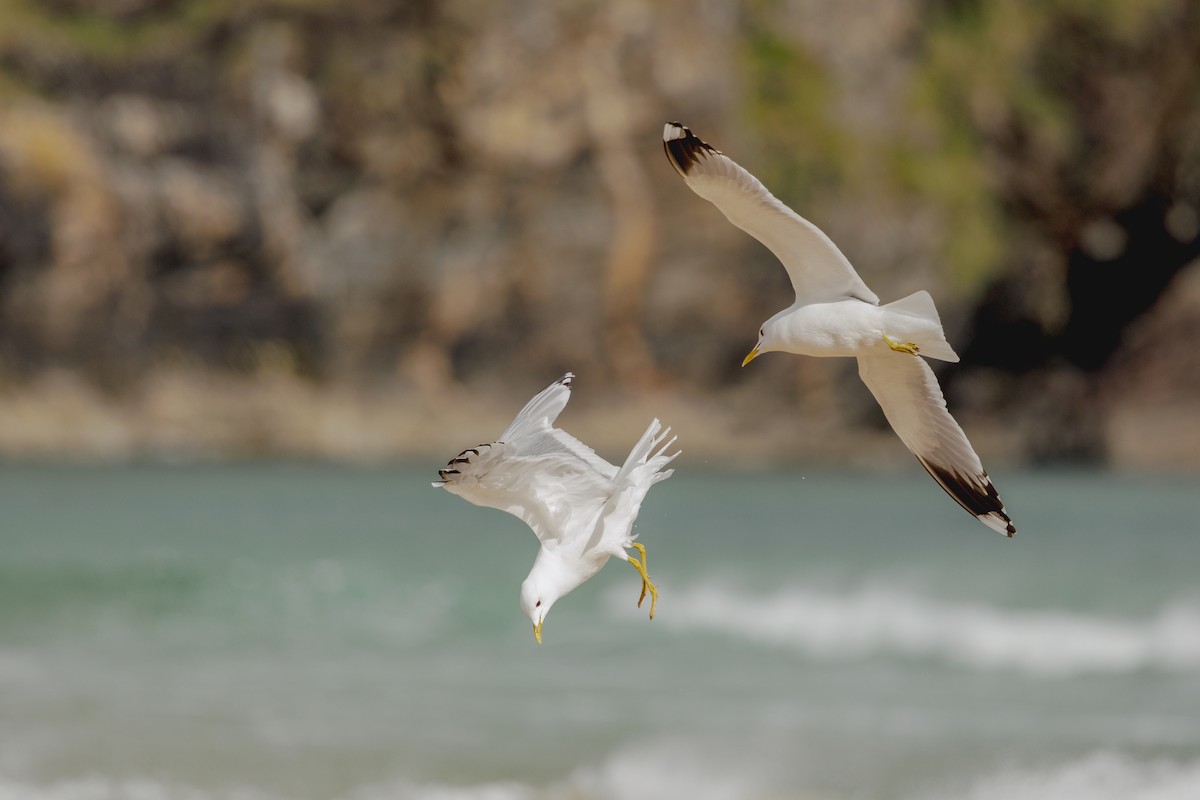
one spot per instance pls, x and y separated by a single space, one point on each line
537 632
753 355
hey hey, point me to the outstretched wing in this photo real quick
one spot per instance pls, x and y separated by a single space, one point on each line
912 401
540 412
533 432
539 474
818 270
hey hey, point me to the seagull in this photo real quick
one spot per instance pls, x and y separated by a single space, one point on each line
581 507
835 314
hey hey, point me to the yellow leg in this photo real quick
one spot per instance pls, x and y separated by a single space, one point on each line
641 548
902 347
647 585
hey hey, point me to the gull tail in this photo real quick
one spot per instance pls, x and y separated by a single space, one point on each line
916 317
649 455
642 469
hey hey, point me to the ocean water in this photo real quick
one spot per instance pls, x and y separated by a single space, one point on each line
297 631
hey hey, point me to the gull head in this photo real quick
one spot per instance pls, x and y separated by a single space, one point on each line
768 340
536 598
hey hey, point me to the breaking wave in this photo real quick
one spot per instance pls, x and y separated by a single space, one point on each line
680 771
871 621
661 770
101 788
1100 776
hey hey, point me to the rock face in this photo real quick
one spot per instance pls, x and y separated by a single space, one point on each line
1149 392
440 198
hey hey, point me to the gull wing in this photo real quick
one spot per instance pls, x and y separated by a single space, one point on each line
912 401
532 432
539 474
541 412
818 270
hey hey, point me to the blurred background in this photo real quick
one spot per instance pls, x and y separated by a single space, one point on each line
266 264
343 228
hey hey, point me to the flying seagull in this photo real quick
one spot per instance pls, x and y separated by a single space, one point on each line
835 314
581 507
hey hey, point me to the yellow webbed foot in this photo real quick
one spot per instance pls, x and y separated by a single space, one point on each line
647 584
641 548
902 347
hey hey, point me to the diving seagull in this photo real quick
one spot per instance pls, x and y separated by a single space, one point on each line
835 314
581 507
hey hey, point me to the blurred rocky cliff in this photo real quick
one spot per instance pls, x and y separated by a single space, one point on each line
355 228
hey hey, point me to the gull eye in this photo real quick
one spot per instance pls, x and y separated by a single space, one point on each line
760 333
538 604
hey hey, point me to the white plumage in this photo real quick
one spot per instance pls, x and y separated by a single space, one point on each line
581 507
835 314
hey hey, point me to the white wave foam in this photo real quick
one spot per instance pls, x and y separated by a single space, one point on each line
659 771
676 771
645 771
1101 776
404 790
879 620
101 788
665 770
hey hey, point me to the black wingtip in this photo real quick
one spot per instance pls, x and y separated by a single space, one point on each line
976 494
1001 517
683 148
675 130
566 380
451 469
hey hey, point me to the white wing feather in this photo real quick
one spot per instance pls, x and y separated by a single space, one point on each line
540 412
535 422
912 401
538 473
818 270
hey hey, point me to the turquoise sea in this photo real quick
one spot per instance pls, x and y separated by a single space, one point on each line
301 631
